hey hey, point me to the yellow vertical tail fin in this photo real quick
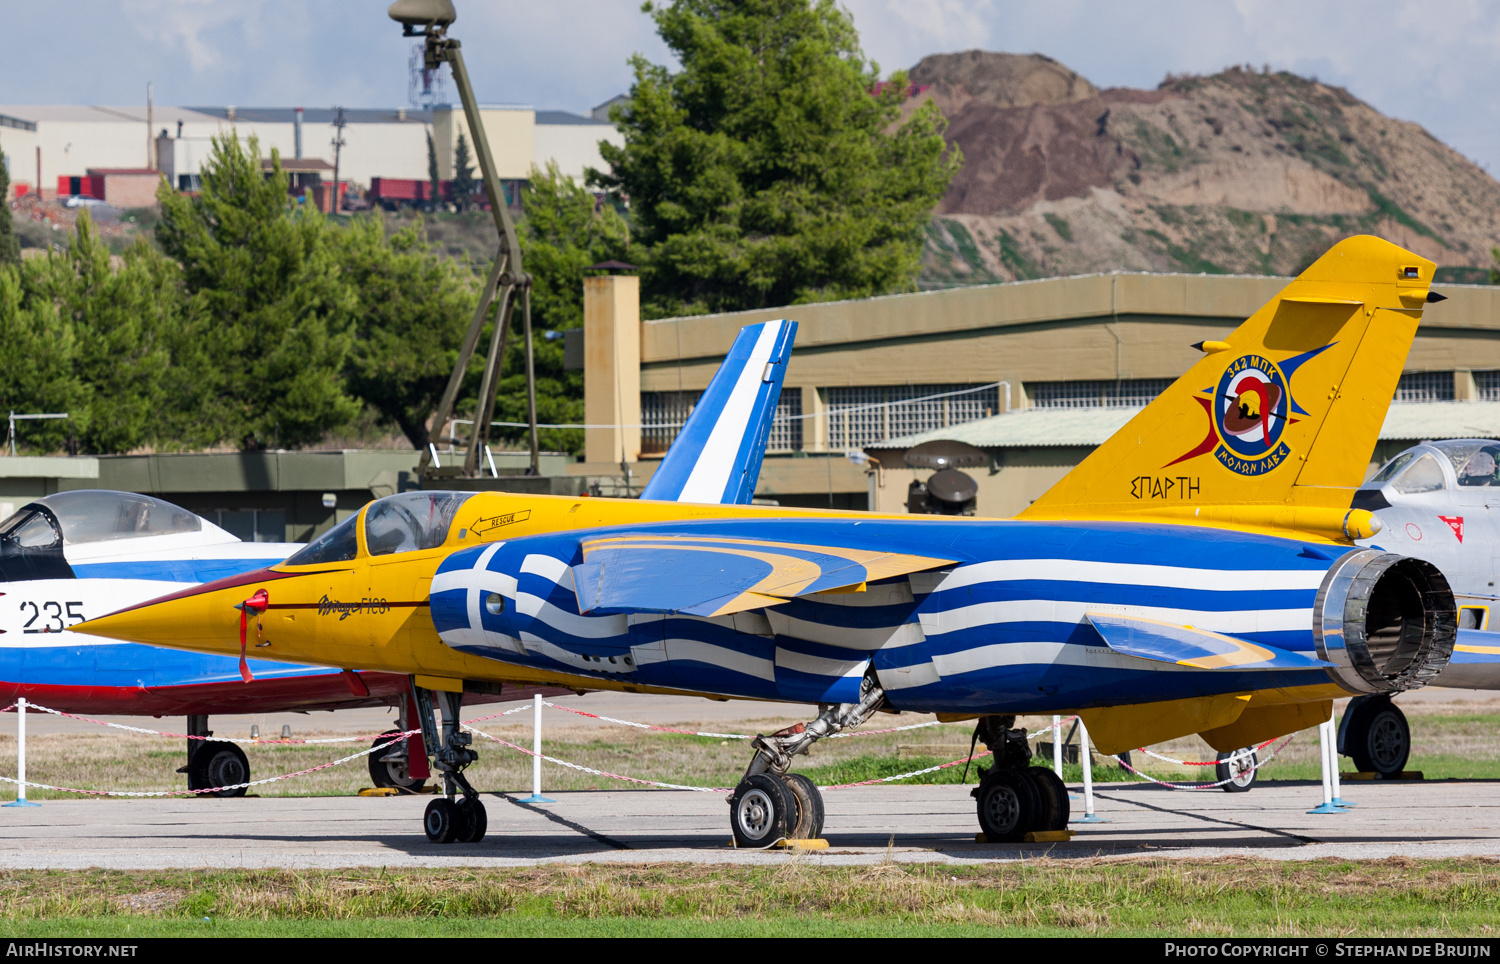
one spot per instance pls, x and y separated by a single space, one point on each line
1275 425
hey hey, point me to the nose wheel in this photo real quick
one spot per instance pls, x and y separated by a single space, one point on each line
458 815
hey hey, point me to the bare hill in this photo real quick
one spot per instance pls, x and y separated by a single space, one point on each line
1241 172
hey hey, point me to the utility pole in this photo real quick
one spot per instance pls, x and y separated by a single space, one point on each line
507 282
150 124
338 144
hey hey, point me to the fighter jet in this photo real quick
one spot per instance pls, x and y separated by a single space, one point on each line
73 555
1197 573
1435 502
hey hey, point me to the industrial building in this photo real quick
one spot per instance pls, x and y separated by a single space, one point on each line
48 148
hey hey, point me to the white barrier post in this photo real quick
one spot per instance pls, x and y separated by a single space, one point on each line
21 800
1325 751
1333 766
1057 746
536 749
1086 757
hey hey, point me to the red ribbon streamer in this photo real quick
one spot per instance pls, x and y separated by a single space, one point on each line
258 602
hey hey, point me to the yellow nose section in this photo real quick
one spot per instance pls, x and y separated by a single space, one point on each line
205 618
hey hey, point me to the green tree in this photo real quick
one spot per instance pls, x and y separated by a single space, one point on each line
413 309
121 324
10 248
36 359
464 185
435 184
268 307
766 171
564 228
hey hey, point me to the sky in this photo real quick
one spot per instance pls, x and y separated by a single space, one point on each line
1435 62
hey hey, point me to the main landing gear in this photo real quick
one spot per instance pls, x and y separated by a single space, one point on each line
391 767
211 763
450 817
1375 736
1015 798
771 805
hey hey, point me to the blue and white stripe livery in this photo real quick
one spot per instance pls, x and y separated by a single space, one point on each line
716 457
1004 628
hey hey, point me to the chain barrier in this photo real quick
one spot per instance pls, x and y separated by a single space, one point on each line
198 793
468 724
1210 786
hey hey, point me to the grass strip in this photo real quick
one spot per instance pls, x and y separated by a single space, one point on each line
1133 897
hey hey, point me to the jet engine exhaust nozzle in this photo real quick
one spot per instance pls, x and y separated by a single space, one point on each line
1387 622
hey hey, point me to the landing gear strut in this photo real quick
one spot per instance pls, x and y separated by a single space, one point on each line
1015 798
1375 735
211 763
770 804
450 817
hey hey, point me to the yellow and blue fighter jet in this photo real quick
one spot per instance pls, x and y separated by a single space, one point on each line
1196 574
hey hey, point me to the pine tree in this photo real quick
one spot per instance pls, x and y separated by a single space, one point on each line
464 185
269 310
772 169
10 248
436 185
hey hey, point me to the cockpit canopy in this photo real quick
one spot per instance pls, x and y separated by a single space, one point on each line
1473 462
94 515
397 523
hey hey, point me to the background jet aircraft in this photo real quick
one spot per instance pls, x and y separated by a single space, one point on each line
75 555
1436 501
1152 611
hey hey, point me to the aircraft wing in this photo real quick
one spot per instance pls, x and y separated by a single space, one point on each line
1195 648
716 457
709 575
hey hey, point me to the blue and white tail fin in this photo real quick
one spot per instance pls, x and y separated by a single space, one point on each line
716 457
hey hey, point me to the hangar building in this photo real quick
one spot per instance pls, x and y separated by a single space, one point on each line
1037 373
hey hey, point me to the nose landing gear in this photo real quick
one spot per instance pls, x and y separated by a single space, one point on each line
451 817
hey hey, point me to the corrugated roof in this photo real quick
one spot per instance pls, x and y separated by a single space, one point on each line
1053 427
318 115
562 117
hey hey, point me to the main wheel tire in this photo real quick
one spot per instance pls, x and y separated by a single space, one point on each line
393 773
1052 794
1008 805
762 811
1238 768
219 764
809 822
441 821
472 821
1378 738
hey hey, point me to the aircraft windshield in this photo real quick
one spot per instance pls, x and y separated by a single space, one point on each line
97 515
1390 469
339 544
1474 462
1424 475
411 521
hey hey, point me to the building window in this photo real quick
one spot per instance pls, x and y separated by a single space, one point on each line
1488 384
862 416
251 525
1426 387
664 413
1123 393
